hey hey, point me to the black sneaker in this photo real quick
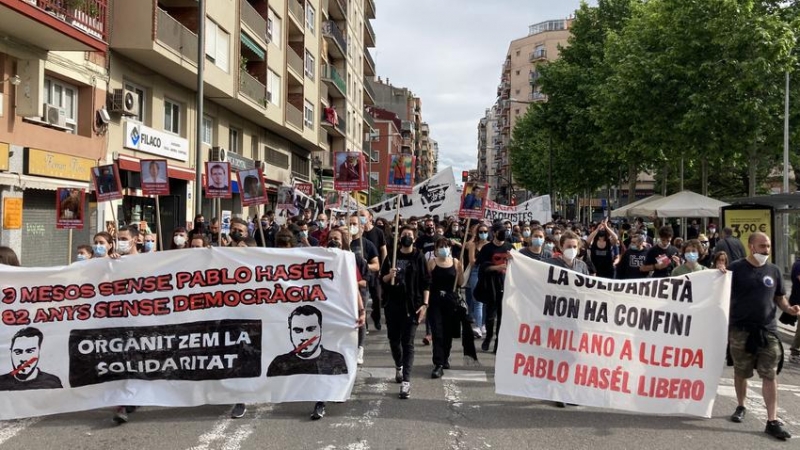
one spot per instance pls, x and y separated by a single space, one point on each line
738 415
319 411
485 344
437 372
398 374
775 429
446 364
377 320
120 416
561 404
130 409
238 411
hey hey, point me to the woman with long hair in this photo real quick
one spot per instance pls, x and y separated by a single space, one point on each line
102 245
446 275
480 237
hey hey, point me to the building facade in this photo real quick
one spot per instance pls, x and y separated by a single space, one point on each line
123 77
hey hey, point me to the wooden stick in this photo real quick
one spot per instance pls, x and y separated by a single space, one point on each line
114 218
69 251
260 228
218 207
463 250
396 235
158 225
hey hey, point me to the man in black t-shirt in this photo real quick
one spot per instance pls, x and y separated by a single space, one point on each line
492 260
756 293
308 356
426 241
376 236
25 374
662 257
633 258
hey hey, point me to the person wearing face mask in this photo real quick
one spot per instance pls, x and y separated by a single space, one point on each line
321 234
551 245
426 240
363 247
180 239
102 245
568 258
376 236
270 229
406 288
691 255
535 249
239 231
149 244
303 238
633 258
525 234
757 291
663 257
492 261
83 252
480 236
126 241
456 237
199 226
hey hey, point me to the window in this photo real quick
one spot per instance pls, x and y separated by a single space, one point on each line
308 114
300 165
273 87
277 158
233 141
310 65
172 117
274 27
517 72
207 132
57 93
142 98
310 18
217 45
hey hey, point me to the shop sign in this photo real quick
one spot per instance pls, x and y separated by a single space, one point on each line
148 140
58 165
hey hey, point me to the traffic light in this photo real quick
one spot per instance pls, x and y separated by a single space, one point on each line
465 176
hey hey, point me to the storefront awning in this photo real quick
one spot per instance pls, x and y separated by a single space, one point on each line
132 164
48 184
249 43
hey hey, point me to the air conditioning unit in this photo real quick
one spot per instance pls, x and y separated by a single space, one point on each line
218 154
261 165
55 115
125 102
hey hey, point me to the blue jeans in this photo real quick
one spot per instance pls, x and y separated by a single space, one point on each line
475 307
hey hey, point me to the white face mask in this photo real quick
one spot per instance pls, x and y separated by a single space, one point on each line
123 247
354 229
761 258
179 240
570 254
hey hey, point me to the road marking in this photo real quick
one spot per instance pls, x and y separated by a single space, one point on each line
465 375
376 372
11 428
234 442
217 433
452 395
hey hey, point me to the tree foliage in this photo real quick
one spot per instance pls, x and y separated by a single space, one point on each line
643 85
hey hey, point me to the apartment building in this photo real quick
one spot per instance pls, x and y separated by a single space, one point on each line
53 58
414 132
131 95
489 144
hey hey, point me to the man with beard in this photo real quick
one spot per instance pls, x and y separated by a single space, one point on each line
25 374
308 356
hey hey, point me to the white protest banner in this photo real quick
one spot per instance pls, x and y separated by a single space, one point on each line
537 208
183 328
436 195
653 345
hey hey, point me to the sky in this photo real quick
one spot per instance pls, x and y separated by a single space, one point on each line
450 53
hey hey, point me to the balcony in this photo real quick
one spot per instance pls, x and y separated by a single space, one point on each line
369 98
369 34
297 13
337 86
369 64
369 120
53 25
369 9
537 97
337 44
538 55
338 9
325 159
534 76
295 63
330 122
294 116
323 138
253 20
174 35
252 88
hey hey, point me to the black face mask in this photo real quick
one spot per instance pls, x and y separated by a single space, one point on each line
500 235
139 247
334 244
429 230
237 236
406 241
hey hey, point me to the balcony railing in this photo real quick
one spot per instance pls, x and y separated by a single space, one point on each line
253 19
538 54
293 115
369 67
295 61
537 97
534 76
176 36
332 31
329 73
252 88
296 9
342 125
369 120
88 16
369 5
369 36
368 89
338 9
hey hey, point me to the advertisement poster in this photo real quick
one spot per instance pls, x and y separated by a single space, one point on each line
69 208
745 220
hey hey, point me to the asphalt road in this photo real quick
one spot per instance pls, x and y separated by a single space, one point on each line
458 412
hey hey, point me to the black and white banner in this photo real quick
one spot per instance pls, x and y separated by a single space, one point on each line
181 328
436 195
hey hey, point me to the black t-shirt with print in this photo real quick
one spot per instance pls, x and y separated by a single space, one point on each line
753 292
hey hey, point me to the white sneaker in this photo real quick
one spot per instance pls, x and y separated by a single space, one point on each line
405 389
360 357
483 330
476 332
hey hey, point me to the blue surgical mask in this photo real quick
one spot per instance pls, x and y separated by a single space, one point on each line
691 256
149 246
80 257
537 241
526 233
362 219
443 252
483 236
549 246
99 250
303 234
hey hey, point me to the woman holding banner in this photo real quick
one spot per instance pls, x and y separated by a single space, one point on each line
102 245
